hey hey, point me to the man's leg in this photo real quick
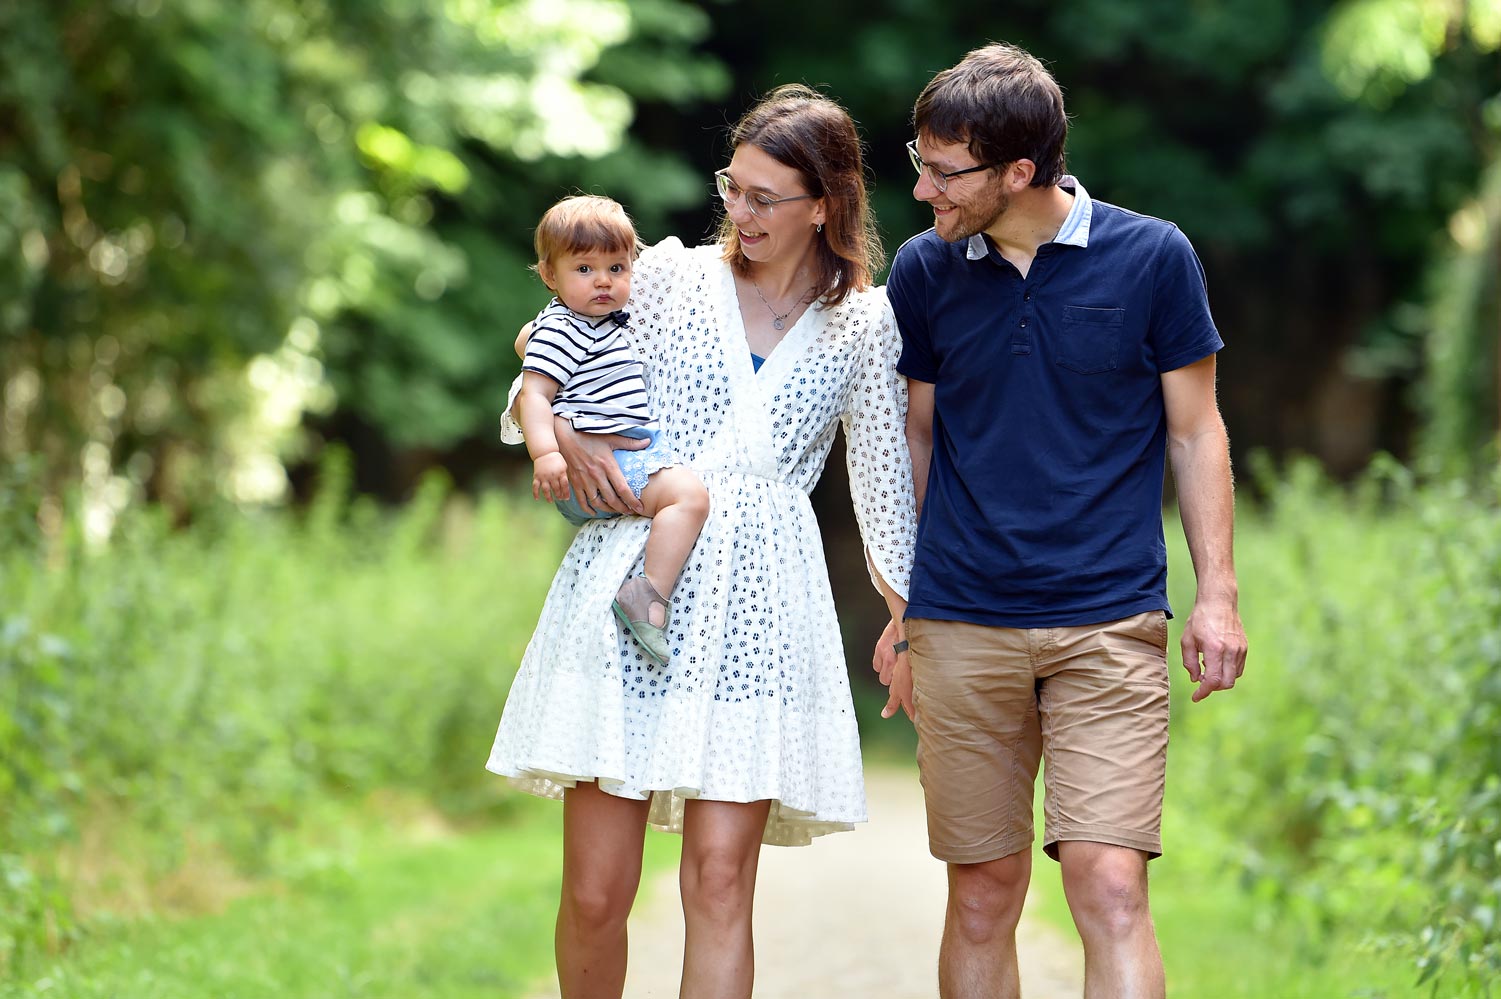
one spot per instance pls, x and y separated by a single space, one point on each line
978 748
1107 894
1104 704
977 959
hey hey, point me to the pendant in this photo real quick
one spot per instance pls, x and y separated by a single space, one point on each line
776 324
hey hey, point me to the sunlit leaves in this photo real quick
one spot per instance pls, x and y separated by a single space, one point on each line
193 180
392 150
1373 49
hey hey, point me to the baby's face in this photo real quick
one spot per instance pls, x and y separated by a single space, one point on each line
592 283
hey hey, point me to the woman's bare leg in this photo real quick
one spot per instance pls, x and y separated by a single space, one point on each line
602 839
721 845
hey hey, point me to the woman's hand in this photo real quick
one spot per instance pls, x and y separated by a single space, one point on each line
596 478
550 478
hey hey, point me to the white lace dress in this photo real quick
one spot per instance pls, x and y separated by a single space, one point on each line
755 702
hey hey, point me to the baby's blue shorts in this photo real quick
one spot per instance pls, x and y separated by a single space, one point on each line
637 466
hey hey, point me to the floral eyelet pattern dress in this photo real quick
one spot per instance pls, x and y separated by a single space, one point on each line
755 702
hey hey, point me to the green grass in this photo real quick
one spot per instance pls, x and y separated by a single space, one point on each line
358 908
216 684
1220 940
189 715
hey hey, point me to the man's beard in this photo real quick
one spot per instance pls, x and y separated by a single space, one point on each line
970 220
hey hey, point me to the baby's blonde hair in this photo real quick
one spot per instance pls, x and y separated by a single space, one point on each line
584 223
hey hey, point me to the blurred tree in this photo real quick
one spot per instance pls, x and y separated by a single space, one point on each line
213 212
1314 205
1374 50
215 217
1316 210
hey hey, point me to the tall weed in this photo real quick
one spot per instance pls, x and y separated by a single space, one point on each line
1357 763
210 683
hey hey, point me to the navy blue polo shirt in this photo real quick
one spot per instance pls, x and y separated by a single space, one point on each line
1044 496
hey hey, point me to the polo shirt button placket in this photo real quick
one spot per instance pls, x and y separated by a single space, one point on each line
1021 341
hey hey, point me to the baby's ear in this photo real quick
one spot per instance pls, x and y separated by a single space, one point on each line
545 272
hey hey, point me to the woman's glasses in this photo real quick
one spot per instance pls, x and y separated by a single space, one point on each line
760 205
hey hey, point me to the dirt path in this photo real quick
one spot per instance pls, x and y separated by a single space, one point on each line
854 915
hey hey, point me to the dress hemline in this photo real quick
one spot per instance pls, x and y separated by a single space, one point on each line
785 825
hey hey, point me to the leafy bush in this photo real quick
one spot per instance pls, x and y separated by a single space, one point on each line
1358 760
210 683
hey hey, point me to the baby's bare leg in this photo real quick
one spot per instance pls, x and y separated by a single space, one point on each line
678 505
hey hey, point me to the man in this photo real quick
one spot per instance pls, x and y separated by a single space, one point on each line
1057 348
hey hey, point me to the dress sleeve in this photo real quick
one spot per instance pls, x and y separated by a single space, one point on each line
880 466
654 280
510 430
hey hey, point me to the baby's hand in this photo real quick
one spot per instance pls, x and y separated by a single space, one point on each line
550 478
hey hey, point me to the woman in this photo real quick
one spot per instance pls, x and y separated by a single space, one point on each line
756 348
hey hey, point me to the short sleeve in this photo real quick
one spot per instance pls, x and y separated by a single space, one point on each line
555 348
906 289
1182 330
654 280
880 466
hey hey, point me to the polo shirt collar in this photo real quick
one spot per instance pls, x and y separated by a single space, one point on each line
1073 232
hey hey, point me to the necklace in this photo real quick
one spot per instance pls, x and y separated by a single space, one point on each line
776 320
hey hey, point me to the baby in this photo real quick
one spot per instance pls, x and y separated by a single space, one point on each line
578 364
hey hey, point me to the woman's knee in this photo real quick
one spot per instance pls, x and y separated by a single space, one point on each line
718 883
598 905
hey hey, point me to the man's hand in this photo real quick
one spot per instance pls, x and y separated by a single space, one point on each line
1213 631
596 478
895 670
550 478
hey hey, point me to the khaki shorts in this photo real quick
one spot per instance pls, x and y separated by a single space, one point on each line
1091 701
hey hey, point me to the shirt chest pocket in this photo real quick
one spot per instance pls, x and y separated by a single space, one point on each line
1090 339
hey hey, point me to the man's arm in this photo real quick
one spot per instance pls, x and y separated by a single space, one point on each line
1200 453
895 669
920 435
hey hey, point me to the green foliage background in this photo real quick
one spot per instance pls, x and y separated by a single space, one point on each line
207 687
235 234
232 233
1358 774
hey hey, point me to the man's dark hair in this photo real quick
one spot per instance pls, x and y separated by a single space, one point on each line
1004 104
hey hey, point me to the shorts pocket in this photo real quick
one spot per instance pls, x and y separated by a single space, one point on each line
1091 339
1149 627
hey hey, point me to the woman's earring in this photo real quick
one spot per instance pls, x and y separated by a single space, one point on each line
818 228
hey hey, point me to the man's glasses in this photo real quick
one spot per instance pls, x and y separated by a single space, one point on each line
938 177
760 205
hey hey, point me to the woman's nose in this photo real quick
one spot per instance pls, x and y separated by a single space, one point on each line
737 211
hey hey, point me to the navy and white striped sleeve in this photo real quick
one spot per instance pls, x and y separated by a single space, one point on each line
556 348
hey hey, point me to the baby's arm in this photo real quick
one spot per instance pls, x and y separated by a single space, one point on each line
533 410
522 338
